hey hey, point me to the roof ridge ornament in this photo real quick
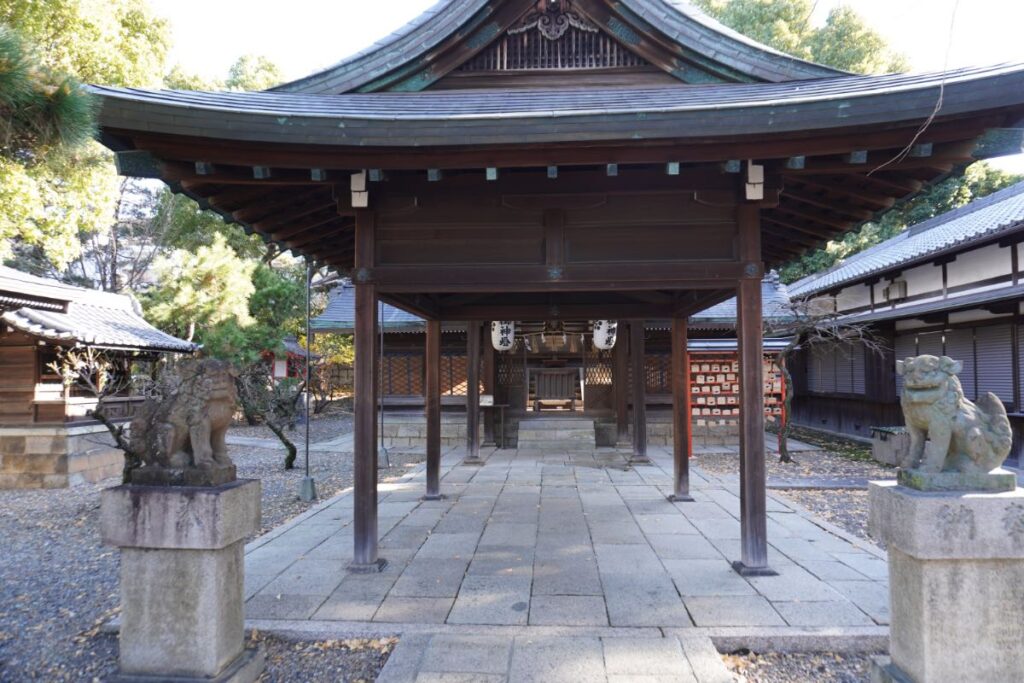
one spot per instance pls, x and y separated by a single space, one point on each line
552 18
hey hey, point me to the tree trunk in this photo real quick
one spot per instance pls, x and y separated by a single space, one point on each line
293 452
784 423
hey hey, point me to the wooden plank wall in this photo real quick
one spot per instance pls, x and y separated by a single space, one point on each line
17 379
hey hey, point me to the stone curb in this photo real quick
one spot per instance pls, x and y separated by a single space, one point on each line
852 639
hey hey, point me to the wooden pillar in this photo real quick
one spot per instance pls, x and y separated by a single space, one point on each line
681 419
753 511
473 393
364 522
620 374
636 349
432 401
489 384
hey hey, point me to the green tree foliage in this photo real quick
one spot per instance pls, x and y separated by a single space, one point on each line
109 42
844 41
252 73
51 199
978 180
39 109
189 227
197 292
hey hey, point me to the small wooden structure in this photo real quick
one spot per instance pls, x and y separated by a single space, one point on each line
555 387
38 317
563 160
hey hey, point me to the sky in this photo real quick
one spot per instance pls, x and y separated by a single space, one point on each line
303 36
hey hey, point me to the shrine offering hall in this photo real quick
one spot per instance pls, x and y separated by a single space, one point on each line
564 160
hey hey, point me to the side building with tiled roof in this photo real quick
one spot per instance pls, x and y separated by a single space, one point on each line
46 436
951 285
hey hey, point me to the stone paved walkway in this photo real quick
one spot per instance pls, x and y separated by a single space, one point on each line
566 566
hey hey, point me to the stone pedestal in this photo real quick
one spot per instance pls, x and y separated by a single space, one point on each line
182 575
956 576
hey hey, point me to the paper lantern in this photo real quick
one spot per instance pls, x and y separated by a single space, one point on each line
503 334
604 333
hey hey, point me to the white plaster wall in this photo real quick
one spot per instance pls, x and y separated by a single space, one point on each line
923 278
853 297
971 315
979 264
912 324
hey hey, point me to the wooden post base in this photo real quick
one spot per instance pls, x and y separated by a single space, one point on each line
371 568
744 570
680 498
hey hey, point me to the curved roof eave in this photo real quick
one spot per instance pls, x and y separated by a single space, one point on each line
465 118
678 20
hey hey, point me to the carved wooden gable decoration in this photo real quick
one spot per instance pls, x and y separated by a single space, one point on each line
554 35
526 43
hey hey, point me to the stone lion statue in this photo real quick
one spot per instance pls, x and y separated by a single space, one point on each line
185 427
962 436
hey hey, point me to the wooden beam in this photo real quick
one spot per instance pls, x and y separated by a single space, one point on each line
432 407
308 223
473 394
878 201
554 311
489 384
681 419
364 523
643 275
821 202
300 158
636 351
620 383
753 506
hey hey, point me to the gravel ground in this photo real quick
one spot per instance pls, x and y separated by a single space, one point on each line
814 667
58 584
846 508
810 464
336 421
332 473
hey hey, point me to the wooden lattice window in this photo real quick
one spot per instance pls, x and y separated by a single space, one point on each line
453 374
599 367
403 374
510 366
553 36
658 373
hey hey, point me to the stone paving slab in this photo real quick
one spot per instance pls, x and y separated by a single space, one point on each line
573 543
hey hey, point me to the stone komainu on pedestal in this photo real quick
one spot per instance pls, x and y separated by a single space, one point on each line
180 436
953 527
949 433
181 525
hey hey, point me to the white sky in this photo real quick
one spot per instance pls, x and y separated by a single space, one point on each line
303 36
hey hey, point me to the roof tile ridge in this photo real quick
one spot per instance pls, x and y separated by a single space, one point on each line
913 231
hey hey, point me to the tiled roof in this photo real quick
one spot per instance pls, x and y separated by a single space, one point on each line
59 312
467 117
340 314
774 305
980 220
677 19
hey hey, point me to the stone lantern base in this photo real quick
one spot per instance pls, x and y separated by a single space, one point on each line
956 577
182 575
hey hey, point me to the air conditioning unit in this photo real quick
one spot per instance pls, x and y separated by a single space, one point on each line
896 290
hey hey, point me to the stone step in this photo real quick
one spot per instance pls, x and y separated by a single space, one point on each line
556 433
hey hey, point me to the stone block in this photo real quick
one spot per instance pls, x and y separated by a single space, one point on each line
954 525
956 573
180 517
996 481
12 445
182 579
45 445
